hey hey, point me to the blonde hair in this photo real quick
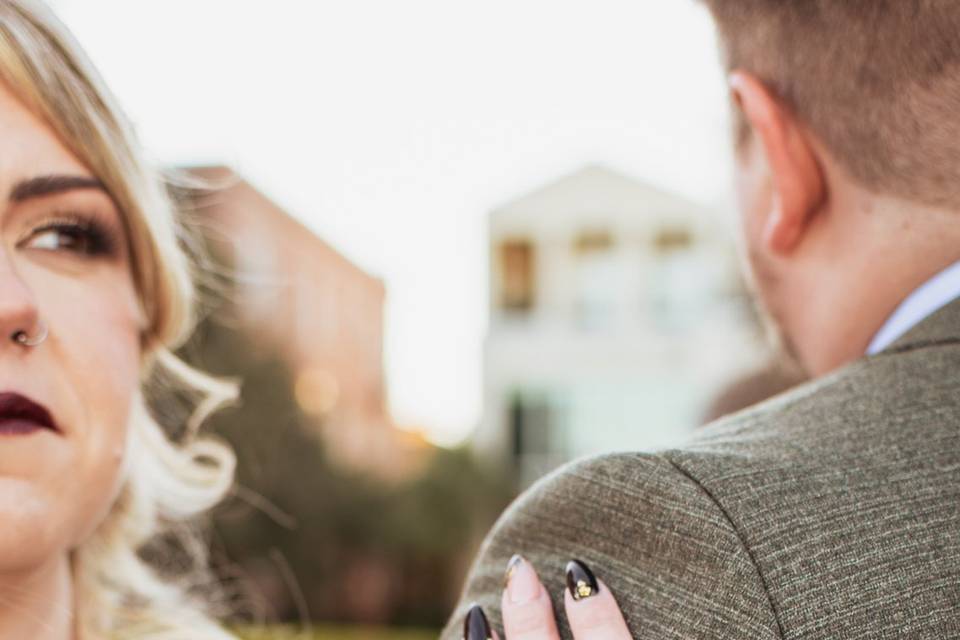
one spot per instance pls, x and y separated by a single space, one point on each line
167 484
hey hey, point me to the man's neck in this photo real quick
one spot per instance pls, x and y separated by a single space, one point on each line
876 252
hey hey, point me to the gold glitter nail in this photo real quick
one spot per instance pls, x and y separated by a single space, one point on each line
583 589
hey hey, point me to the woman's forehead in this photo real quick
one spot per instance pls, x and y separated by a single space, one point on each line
29 148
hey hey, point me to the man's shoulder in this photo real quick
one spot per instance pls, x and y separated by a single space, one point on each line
890 399
753 524
852 480
651 533
890 413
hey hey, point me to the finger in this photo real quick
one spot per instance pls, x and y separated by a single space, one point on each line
476 626
527 611
591 609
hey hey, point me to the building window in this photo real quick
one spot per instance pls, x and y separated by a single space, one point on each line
592 242
670 239
598 280
517 272
682 280
538 433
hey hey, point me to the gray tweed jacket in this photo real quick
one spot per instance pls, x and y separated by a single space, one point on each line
829 511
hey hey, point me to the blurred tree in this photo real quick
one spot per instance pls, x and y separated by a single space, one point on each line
309 538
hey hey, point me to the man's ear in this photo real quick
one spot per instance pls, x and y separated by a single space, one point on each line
798 182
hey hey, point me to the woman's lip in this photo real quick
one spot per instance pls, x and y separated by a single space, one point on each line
18 427
19 408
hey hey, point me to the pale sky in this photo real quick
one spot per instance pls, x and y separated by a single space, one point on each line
392 128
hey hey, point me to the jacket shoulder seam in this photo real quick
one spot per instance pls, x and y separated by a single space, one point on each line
733 527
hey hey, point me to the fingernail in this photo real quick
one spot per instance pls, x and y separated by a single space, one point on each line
522 583
511 567
475 625
580 580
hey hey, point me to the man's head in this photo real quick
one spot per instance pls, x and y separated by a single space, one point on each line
848 163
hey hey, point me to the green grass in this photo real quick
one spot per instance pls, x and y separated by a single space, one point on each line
325 632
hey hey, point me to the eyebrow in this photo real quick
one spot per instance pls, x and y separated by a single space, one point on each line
52 185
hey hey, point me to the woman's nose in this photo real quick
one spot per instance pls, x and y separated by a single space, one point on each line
18 308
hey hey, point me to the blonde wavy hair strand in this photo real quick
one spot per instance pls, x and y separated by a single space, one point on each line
167 485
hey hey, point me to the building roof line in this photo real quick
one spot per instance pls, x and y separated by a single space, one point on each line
223 177
596 168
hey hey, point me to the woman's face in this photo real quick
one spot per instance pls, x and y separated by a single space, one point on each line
56 486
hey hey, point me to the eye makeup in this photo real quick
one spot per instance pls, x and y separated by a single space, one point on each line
88 235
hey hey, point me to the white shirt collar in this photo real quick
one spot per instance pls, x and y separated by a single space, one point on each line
927 298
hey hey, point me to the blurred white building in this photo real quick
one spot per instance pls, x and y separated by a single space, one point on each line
617 312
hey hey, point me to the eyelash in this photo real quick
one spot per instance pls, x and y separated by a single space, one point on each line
100 241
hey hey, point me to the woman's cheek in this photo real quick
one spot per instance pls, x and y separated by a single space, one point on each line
112 360
103 481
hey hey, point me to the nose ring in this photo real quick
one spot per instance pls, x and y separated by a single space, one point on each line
21 336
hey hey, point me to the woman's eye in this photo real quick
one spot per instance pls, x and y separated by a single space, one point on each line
67 237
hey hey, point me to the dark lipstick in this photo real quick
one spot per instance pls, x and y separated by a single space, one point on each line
20 415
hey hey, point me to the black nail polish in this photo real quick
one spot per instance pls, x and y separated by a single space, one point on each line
515 562
475 625
580 580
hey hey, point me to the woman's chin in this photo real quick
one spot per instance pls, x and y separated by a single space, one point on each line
31 534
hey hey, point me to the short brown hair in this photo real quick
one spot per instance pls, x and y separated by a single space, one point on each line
877 81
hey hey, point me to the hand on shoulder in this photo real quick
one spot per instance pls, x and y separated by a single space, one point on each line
589 606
